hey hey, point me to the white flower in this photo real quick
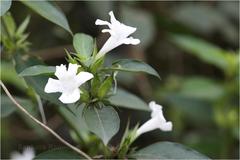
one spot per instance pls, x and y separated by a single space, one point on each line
68 82
119 35
157 120
28 154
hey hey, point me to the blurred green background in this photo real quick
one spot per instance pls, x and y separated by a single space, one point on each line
193 45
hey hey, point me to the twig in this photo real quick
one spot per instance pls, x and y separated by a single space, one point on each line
43 125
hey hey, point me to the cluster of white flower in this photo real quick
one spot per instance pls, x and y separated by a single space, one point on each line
69 80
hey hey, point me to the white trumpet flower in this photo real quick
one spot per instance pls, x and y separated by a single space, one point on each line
28 154
68 82
157 120
119 35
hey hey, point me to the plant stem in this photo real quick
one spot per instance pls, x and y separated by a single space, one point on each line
40 107
43 125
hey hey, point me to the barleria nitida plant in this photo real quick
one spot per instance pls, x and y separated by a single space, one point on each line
89 94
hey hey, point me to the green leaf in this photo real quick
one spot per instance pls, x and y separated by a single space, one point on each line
201 88
83 44
37 82
49 11
76 120
9 24
128 100
167 150
5 6
37 70
131 65
105 87
95 83
7 106
203 50
23 26
11 77
59 153
103 122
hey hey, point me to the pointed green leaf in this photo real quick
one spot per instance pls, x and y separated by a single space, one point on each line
131 65
83 44
167 150
49 11
23 26
128 100
9 23
104 122
37 70
5 6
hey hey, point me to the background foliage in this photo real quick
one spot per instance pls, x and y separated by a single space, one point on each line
194 46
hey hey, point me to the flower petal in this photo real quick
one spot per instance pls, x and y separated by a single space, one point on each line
82 77
156 110
148 126
28 154
166 126
101 22
70 97
131 40
112 18
60 71
52 86
16 156
72 69
109 31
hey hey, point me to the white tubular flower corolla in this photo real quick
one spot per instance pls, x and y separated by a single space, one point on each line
157 120
28 154
119 35
68 82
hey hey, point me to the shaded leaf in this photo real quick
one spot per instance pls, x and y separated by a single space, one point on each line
37 70
201 88
203 50
9 75
49 11
214 20
104 122
131 65
193 108
5 6
76 120
83 44
167 150
7 106
128 100
59 153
